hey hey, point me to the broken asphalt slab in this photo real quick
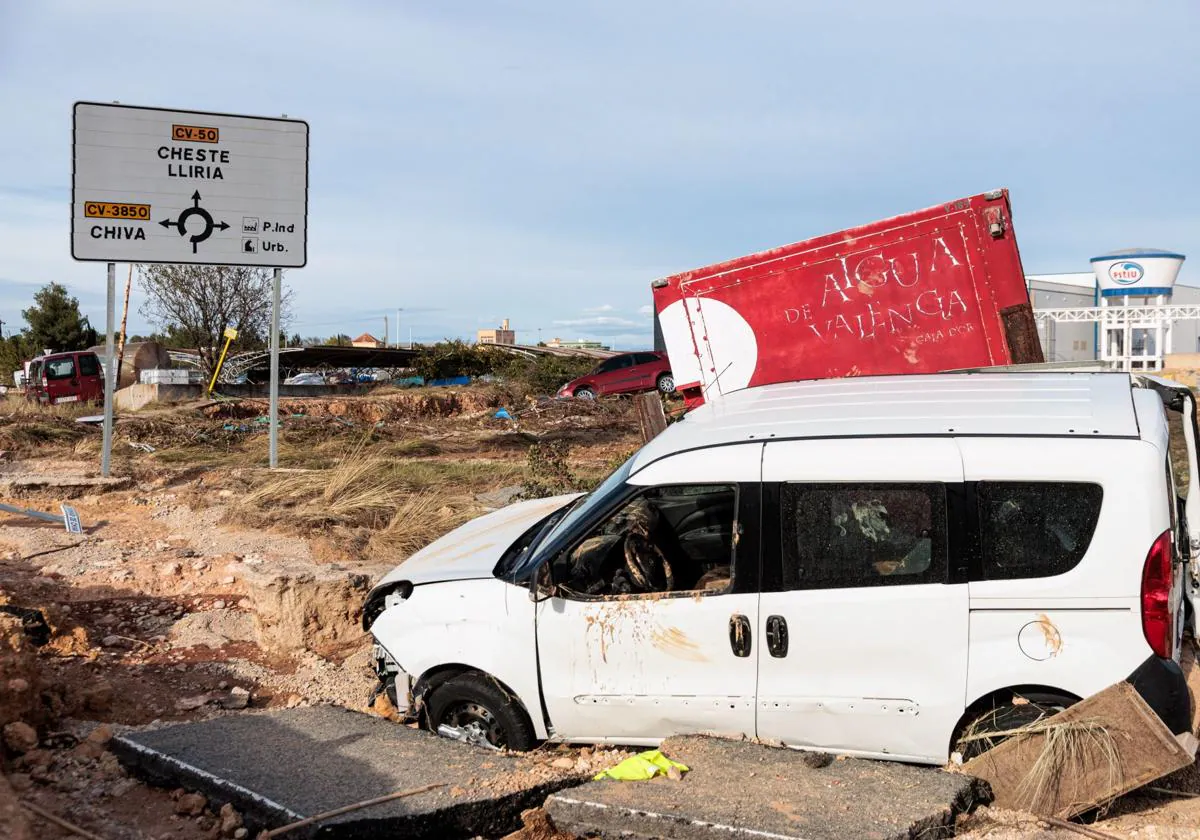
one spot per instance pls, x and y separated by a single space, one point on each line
282 767
48 481
739 789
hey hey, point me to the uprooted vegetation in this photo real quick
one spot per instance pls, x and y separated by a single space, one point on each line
26 427
379 475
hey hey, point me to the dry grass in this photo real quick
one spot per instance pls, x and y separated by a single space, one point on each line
350 493
1070 751
18 407
31 429
404 499
419 520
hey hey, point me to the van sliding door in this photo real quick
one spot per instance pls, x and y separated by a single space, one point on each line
866 641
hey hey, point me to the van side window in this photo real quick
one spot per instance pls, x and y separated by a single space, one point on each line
89 365
1035 529
60 368
676 538
848 535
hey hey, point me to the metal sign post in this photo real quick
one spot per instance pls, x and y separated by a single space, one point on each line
159 185
273 413
110 372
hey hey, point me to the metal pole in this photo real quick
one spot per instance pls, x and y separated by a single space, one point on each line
274 412
110 375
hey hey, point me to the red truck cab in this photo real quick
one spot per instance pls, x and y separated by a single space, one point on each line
74 376
934 290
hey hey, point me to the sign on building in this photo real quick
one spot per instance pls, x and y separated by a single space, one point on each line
1137 272
154 185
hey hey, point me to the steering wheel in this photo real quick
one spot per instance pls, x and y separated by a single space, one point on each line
647 566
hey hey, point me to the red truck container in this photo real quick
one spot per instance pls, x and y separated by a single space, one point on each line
934 290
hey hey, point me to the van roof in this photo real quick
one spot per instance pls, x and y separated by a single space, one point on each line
958 404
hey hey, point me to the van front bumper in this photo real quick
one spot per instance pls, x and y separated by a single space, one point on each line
1162 684
396 681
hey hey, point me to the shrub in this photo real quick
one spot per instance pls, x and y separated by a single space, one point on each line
457 358
549 474
543 375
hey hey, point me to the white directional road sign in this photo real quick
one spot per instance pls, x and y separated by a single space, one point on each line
153 185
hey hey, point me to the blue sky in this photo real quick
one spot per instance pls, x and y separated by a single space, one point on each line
544 161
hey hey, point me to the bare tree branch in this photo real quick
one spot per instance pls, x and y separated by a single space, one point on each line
197 303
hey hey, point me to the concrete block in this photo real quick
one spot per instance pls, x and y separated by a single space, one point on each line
280 767
738 789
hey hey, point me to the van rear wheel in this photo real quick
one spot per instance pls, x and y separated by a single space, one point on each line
479 709
995 724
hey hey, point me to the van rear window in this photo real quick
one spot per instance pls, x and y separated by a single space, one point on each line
89 365
1032 530
60 368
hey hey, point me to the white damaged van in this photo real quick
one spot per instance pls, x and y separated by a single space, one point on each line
864 566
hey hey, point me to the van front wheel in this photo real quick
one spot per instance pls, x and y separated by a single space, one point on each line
476 708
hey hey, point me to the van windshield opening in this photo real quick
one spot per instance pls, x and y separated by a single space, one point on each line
558 525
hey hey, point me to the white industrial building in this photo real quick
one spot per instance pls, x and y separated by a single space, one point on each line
1104 314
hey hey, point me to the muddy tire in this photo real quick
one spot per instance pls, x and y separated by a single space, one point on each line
666 384
1004 715
476 702
585 393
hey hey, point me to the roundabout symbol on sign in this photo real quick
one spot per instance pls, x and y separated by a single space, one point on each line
180 224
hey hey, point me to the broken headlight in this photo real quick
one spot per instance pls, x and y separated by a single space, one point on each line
376 602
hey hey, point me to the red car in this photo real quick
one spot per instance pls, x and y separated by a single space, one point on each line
628 373
66 377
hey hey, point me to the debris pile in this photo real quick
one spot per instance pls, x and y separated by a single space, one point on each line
1083 757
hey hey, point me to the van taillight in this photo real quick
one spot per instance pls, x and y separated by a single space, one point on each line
1158 623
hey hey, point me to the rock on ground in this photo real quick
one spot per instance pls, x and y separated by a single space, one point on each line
537 826
19 676
20 737
13 823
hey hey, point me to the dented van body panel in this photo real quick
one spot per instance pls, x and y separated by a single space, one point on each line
481 625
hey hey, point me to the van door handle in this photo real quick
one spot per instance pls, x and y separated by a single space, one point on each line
739 635
777 636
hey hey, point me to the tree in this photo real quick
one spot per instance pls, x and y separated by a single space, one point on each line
15 350
196 303
55 322
339 340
